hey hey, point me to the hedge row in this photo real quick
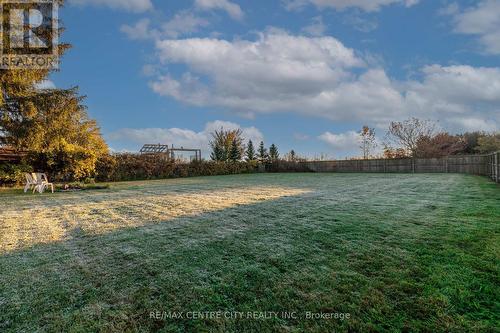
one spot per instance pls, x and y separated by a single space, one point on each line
123 167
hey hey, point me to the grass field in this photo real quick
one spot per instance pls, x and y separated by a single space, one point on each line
416 253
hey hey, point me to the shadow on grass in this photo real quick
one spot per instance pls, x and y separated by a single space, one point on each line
276 255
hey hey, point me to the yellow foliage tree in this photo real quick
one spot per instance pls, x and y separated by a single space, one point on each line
51 125
62 138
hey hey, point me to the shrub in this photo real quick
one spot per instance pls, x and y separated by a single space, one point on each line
13 174
488 143
123 167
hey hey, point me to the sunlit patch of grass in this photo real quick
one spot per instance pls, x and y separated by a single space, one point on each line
45 219
398 252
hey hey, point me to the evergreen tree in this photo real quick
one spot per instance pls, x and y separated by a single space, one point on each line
250 152
262 152
293 155
222 142
235 153
51 125
18 91
273 153
217 153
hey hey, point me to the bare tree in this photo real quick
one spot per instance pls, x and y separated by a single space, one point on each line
368 142
407 134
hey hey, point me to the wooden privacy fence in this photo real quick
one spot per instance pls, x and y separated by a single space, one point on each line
493 166
10 155
485 165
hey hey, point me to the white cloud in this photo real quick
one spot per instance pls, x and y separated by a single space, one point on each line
344 142
232 9
366 5
182 137
137 6
273 73
475 124
460 84
482 20
140 30
316 28
321 77
277 72
348 144
371 96
462 97
183 23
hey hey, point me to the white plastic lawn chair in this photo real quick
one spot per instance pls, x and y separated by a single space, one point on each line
42 183
30 181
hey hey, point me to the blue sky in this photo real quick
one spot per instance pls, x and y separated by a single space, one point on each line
304 74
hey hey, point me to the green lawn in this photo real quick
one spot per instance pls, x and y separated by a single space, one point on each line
415 253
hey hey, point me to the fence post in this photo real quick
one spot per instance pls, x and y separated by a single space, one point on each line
492 167
497 168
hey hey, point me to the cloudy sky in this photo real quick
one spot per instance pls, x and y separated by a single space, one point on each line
304 74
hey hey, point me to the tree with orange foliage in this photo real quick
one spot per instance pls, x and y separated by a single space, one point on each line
391 153
440 145
368 142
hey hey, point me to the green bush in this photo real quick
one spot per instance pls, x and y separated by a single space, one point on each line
13 174
123 167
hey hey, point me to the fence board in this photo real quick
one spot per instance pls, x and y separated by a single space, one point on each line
484 165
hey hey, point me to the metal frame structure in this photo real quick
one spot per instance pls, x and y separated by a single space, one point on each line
154 149
169 152
197 152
